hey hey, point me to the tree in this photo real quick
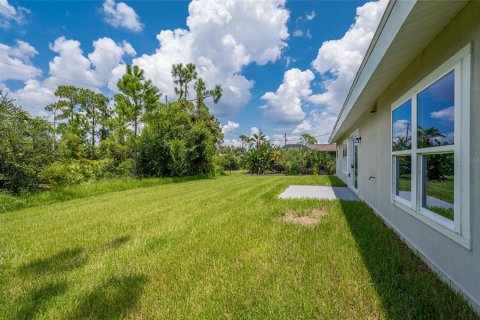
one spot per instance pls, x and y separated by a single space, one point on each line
258 160
244 140
94 107
429 137
138 96
26 146
182 76
307 139
68 101
172 144
257 139
201 93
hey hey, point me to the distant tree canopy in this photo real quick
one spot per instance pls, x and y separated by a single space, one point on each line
307 139
90 136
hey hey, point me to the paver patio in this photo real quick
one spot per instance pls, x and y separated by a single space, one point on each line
318 192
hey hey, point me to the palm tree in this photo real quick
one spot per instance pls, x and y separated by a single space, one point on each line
402 143
257 139
429 137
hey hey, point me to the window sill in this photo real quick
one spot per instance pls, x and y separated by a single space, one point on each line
440 224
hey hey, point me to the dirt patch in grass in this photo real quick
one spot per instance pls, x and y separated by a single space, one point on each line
305 220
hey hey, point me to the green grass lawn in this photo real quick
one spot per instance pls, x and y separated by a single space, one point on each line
212 249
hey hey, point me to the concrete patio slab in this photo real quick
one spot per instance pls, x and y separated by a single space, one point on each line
318 192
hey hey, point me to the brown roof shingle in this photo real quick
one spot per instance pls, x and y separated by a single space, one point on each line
323 147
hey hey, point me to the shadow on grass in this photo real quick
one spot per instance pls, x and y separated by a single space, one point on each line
407 288
38 299
65 260
113 299
117 242
335 181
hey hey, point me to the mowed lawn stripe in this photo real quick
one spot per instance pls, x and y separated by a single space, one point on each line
212 249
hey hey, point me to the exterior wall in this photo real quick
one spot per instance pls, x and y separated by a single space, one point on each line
455 264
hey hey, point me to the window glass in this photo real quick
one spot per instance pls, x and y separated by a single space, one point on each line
403 177
438 183
402 127
436 111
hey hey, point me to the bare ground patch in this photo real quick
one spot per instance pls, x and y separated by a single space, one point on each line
305 220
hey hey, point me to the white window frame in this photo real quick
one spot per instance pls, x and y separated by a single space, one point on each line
458 229
345 159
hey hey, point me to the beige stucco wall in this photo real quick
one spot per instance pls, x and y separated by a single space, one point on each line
454 262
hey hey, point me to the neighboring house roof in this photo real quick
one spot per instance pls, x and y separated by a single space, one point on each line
293 146
323 147
404 31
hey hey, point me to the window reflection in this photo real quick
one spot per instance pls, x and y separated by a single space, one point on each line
436 113
403 177
438 184
401 127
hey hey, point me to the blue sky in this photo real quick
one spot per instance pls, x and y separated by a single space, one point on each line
285 66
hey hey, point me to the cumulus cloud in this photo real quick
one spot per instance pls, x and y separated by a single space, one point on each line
121 15
445 115
71 66
221 39
341 58
16 61
254 130
9 14
230 126
337 63
285 105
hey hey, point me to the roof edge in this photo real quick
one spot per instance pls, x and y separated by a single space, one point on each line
373 42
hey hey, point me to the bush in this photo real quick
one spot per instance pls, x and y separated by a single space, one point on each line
78 171
258 160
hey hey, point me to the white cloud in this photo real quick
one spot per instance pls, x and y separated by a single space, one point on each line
310 16
9 14
232 142
298 33
121 15
230 126
222 38
400 128
445 115
254 130
319 124
303 127
285 105
341 58
71 66
337 62
16 61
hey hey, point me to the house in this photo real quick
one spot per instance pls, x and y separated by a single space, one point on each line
408 134
331 149
293 146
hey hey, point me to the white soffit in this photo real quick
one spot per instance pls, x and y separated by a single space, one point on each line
405 30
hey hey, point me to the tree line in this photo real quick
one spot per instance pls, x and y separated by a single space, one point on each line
90 136
258 155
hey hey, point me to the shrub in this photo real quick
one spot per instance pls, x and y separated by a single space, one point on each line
77 171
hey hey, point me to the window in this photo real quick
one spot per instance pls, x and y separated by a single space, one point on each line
430 137
345 156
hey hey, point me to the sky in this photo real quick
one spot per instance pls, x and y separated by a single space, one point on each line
285 66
